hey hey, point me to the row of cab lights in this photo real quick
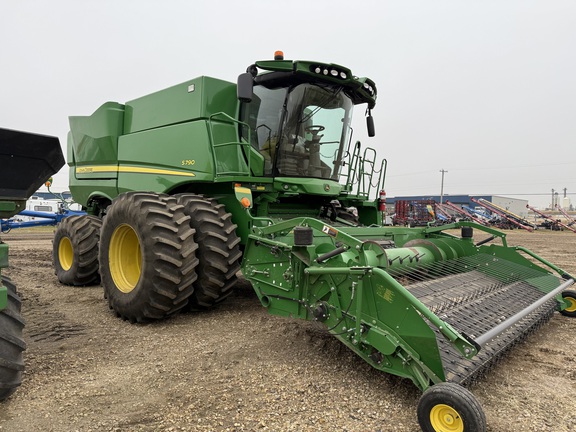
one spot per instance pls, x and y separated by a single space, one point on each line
340 74
279 55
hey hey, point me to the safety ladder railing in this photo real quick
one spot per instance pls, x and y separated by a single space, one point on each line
363 176
242 153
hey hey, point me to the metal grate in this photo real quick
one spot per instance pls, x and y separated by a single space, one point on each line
473 295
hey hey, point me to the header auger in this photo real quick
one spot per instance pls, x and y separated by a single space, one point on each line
187 185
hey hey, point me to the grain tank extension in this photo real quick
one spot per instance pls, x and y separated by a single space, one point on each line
187 185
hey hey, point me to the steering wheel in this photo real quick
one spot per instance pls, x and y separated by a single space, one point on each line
314 129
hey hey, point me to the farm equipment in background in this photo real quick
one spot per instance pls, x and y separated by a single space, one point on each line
27 161
464 213
571 221
481 217
568 217
513 220
555 224
445 213
34 218
185 186
414 213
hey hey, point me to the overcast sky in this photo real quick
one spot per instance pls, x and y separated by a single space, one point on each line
483 89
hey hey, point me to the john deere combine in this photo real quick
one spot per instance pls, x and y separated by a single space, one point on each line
27 161
185 185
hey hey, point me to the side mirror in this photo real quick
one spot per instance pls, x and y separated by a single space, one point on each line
370 125
245 87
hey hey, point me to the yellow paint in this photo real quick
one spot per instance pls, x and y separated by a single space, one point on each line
129 169
572 304
243 190
444 418
65 253
386 293
125 258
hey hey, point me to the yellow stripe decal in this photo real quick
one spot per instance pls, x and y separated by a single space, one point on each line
128 169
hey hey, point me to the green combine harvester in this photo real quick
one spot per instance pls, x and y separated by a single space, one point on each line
186 186
27 161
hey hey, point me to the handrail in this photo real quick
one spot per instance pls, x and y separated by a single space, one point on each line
218 170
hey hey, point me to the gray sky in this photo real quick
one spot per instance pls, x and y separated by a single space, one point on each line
483 89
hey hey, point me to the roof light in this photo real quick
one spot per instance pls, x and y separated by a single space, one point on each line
329 71
279 55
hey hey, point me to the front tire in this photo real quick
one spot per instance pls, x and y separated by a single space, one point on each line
11 343
449 407
219 250
75 250
147 256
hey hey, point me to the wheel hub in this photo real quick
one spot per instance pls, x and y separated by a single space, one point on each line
444 418
572 304
125 258
65 253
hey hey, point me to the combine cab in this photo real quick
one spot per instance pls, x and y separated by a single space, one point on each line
27 161
187 185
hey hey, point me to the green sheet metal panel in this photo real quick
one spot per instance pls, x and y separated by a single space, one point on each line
94 141
160 159
198 98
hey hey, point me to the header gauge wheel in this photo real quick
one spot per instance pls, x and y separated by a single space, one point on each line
570 297
449 407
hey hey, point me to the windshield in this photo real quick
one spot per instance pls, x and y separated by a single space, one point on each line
302 131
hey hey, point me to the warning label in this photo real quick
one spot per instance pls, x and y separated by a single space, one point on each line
330 231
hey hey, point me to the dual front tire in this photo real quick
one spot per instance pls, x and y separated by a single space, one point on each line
156 254
147 256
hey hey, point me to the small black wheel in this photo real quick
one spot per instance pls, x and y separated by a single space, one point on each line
570 297
147 256
75 250
449 407
11 343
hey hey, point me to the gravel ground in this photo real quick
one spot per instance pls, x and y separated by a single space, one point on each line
236 368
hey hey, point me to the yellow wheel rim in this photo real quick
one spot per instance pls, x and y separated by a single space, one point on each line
444 418
65 253
125 258
571 304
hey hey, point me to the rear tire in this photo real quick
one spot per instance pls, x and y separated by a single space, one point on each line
570 297
75 250
11 343
147 256
218 250
450 407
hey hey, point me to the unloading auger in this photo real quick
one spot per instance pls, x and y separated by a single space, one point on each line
419 303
